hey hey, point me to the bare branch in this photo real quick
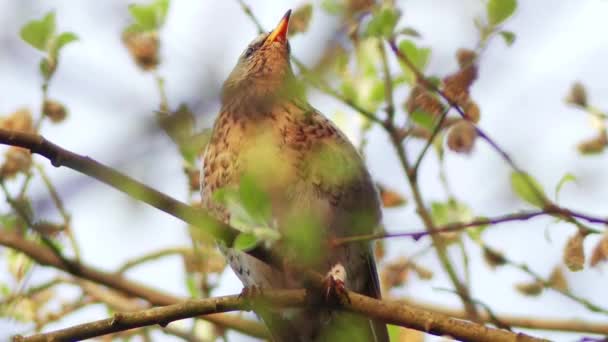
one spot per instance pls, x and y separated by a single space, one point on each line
43 255
568 325
61 157
389 312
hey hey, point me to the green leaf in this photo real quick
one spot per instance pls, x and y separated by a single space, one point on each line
332 6
193 289
60 41
500 10
528 189
568 177
450 212
245 242
423 119
149 17
394 332
377 92
382 23
5 290
8 221
418 56
475 232
348 90
38 33
508 36
254 200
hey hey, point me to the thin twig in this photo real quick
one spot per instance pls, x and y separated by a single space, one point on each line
247 10
546 283
67 227
422 211
152 256
388 84
483 221
429 142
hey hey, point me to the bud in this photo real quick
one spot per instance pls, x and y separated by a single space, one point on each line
461 137
422 272
600 251
54 110
395 273
574 253
558 280
16 160
493 258
47 228
300 19
456 86
577 95
530 289
143 47
471 109
21 121
594 145
421 99
465 57
390 198
194 178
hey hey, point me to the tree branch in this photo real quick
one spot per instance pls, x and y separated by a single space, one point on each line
387 311
42 255
61 157
568 325
458 226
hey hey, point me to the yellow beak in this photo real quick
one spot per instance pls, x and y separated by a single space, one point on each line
279 34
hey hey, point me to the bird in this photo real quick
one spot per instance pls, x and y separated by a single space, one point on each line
315 185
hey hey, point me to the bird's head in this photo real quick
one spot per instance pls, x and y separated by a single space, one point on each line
263 71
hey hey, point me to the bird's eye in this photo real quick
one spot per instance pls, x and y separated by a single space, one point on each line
249 51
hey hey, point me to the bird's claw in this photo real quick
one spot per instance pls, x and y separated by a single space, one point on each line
249 294
334 291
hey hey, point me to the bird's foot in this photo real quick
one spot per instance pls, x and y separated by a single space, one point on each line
334 288
249 294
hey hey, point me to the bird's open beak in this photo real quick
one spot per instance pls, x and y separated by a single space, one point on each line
279 34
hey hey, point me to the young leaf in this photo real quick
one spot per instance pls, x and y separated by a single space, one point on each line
332 6
245 242
149 17
450 212
38 33
508 36
475 232
528 189
61 41
253 199
383 23
423 119
300 19
418 56
500 10
568 177
193 289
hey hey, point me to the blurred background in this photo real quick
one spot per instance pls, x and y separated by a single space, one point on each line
520 91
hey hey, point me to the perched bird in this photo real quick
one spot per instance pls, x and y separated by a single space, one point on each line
315 183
